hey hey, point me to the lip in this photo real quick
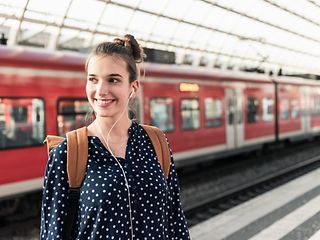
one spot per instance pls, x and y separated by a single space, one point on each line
103 102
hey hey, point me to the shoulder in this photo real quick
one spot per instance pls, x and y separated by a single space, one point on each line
58 153
60 148
154 132
149 128
56 169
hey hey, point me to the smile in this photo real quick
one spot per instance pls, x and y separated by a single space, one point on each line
104 102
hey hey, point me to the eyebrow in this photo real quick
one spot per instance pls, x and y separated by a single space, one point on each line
109 75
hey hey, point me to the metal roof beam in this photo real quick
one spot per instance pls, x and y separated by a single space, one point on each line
292 12
14 32
220 31
54 40
262 21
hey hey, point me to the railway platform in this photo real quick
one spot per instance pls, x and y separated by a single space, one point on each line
288 212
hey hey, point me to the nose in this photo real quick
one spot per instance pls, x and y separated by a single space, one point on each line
102 88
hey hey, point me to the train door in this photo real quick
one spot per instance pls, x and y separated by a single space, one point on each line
304 109
234 119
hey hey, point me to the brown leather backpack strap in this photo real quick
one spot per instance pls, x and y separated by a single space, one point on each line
52 141
165 151
77 149
160 145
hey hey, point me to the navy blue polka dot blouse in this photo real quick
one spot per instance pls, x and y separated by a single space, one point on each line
103 212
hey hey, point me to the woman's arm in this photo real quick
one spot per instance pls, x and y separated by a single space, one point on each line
55 194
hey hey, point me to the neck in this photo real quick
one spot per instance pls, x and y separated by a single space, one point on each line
118 131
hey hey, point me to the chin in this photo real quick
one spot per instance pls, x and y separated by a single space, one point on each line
103 114
108 114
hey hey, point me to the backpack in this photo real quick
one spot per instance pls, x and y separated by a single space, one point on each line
77 156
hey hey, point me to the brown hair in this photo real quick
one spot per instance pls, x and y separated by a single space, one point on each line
127 48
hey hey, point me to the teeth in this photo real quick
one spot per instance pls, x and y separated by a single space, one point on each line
103 101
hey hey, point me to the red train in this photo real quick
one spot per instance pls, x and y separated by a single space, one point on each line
204 112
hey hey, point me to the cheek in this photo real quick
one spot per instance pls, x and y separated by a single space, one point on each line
89 92
88 89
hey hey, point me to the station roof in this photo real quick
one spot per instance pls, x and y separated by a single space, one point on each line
248 34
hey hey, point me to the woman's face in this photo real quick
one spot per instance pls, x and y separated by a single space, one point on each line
108 88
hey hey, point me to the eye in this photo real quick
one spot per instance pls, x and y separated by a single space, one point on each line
92 79
114 80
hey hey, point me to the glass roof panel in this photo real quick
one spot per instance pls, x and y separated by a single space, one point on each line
141 23
199 11
10 22
98 38
67 34
56 7
183 33
215 40
164 28
214 18
226 29
304 8
116 17
244 7
70 23
177 10
231 23
43 17
155 6
79 11
14 8
133 3
200 38
16 4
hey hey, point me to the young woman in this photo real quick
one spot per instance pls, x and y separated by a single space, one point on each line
125 194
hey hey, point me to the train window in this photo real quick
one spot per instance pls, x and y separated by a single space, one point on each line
315 105
161 113
189 109
253 110
71 114
213 112
284 108
267 109
295 109
21 122
231 111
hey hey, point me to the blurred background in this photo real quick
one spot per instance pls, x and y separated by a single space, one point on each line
233 84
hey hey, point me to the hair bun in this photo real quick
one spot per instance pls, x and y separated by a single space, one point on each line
118 41
130 43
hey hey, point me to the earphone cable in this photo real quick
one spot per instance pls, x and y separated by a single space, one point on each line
96 124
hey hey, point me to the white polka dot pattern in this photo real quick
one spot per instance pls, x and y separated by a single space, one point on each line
103 211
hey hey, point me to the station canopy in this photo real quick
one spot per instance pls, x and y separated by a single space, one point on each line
251 35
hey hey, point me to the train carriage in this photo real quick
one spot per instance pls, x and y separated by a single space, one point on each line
206 113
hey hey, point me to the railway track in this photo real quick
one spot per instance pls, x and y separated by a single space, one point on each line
21 221
26 229
215 204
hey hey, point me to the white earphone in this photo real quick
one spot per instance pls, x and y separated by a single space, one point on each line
131 94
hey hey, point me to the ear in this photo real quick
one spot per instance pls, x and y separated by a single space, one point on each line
135 85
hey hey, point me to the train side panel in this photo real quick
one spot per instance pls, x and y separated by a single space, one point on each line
29 106
204 112
196 118
290 121
259 113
